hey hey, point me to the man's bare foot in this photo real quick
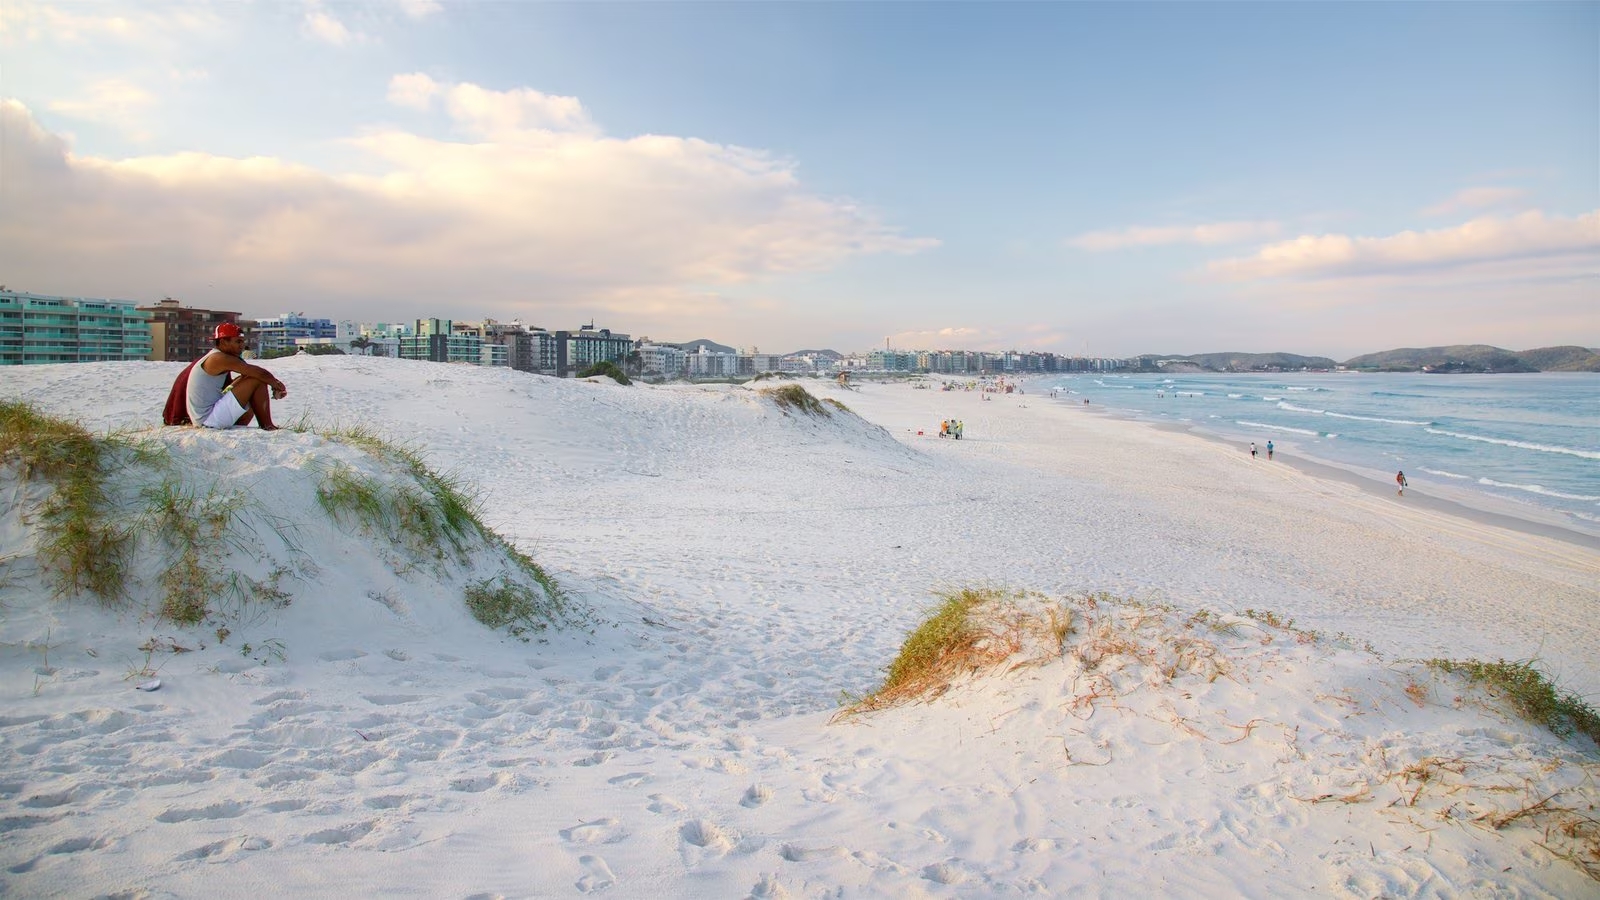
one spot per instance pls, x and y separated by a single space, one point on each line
266 427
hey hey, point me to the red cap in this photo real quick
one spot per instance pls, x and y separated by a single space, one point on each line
227 330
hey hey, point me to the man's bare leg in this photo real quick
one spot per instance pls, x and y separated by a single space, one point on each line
256 398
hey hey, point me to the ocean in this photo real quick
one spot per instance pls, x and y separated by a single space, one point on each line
1503 440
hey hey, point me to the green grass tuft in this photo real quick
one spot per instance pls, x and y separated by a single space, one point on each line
505 603
457 517
793 396
85 550
1529 693
972 628
443 510
608 370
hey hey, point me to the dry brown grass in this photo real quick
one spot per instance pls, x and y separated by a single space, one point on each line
971 630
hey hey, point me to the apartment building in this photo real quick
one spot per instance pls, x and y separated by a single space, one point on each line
38 328
291 330
438 340
583 347
181 333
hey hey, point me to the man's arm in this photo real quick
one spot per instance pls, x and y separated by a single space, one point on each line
223 362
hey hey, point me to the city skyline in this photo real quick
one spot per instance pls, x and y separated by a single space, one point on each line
1076 179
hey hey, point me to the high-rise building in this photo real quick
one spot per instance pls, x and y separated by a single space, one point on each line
581 348
181 333
37 328
291 330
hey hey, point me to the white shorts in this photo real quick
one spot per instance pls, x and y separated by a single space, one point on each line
226 413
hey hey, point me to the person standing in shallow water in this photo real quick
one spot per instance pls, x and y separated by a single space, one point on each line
1400 479
213 403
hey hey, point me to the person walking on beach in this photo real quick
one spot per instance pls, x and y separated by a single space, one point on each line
1269 449
1400 479
213 403
1252 449
944 428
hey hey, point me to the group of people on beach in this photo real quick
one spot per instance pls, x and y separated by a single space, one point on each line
951 428
1399 477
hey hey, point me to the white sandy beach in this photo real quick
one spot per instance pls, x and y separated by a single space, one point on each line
745 566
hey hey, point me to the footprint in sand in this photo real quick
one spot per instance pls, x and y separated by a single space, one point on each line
756 795
600 831
477 784
49 801
224 810
594 759
707 834
598 877
77 845
665 805
947 872
352 832
769 888
224 848
797 853
631 779
387 801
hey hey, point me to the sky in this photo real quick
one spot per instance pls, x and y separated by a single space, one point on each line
1087 179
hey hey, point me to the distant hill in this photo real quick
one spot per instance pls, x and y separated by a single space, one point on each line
695 345
1563 359
714 347
1462 358
1249 362
1480 358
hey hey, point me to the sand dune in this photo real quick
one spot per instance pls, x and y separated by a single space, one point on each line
744 566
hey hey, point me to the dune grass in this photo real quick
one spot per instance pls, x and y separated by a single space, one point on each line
82 544
443 511
1529 693
970 629
796 397
90 539
607 370
196 530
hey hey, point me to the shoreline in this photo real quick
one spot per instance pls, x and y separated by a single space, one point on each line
1511 493
1378 486
1328 471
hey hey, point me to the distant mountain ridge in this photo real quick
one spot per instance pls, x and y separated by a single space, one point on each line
1458 358
1248 362
1480 358
714 347
695 345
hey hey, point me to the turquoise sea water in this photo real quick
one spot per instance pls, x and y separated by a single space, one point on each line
1528 439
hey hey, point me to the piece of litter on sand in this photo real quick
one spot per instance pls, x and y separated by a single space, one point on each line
153 684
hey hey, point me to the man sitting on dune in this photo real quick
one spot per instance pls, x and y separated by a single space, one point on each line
213 403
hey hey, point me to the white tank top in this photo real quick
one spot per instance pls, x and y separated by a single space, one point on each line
204 390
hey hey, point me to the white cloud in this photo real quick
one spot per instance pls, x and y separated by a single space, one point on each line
69 24
419 9
1476 198
1148 236
538 218
1530 236
321 26
112 101
415 90
496 114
